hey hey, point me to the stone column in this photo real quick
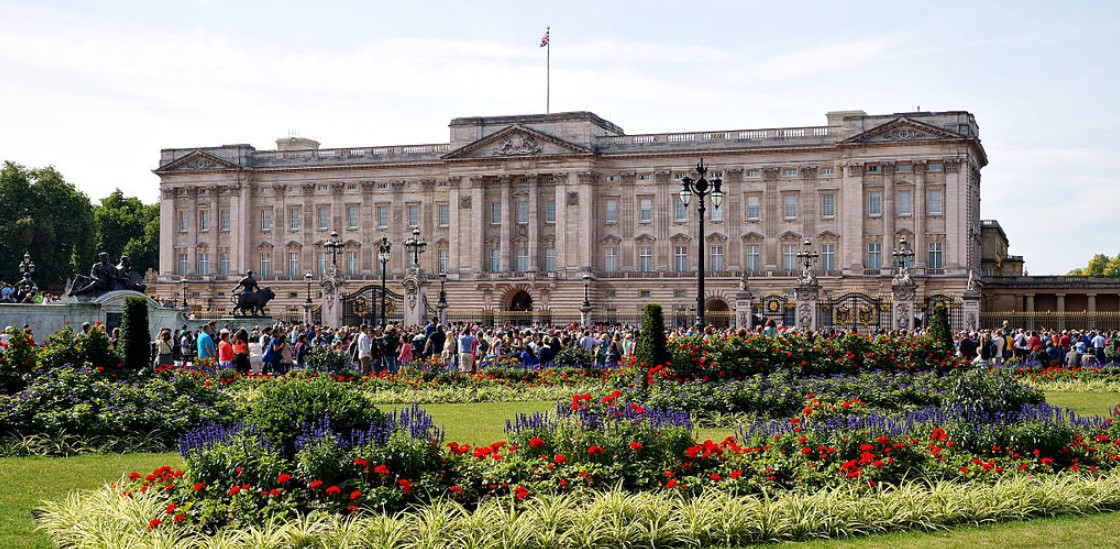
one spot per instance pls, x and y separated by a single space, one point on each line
1061 310
332 301
851 224
1028 306
168 217
534 223
808 304
478 231
971 307
890 213
920 208
243 219
455 205
743 313
505 231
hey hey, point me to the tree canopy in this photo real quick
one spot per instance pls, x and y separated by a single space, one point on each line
127 226
1099 265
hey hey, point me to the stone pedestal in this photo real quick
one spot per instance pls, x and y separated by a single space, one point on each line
585 315
332 301
970 309
808 304
414 301
744 315
902 303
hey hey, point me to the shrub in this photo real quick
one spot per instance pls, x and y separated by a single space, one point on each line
287 405
575 356
136 340
939 327
328 361
17 362
650 347
976 392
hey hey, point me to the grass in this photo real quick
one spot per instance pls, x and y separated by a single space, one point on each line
24 482
1084 403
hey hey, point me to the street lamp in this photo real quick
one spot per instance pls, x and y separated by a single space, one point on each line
384 253
183 283
441 305
701 187
335 246
902 257
307 276
586 290
808 257
414 246
26 269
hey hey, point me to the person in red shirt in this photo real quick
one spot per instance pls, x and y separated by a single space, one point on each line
225 350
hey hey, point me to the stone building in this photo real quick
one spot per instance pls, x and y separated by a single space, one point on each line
530 215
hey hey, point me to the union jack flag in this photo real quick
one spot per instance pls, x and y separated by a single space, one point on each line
544 39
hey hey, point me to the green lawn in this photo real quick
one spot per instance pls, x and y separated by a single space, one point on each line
26 481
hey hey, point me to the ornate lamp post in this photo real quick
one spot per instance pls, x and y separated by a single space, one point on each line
902 257
335 246
585 309
307 304
701 187
807 257
384 254
415 246
441 305
26 269
183 285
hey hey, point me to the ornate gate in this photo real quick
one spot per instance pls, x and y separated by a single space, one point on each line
774 306
364 307
855 312
952 305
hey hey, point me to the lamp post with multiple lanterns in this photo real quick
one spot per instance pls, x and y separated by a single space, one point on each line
701 188
384 254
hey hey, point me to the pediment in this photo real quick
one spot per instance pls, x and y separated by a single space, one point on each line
516 141
197 161
902 129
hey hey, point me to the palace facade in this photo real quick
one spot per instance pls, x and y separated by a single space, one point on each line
542 212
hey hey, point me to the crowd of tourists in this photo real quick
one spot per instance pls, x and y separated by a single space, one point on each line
1048 347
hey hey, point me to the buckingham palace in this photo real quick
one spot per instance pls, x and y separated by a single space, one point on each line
533 217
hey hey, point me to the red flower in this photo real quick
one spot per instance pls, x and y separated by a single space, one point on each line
356 494
536 442
234 490
455 489
559 459
334 491
154 523
199 486
361 462
283 478
315 484
134 476
595 449
381 469
636 446
715 477
274 492
671 483
736 474
406 486
171 507
179 518
520 492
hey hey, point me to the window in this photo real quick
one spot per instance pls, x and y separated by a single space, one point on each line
182 268
266 264
933 202
828 171
444 212
223 264
522 259
610 259
905 203
223 220
717 213
444 259
875 203
203 264
790 172
266 221
679 293
645 210
351 263
293 264
644 294
828 257
203 220
874 168
413 215
752 173
680 259
789 206
324 218
495 260
715 259
936 258
754 211
382 217
183 223
680 211
874 255
645 259
789 257
934 166
905 167
293 219
495 213
550 259
351 217
522 212
323 262
550 211
754 263
612 211
828 205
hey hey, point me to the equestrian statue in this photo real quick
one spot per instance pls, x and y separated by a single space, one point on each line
251 300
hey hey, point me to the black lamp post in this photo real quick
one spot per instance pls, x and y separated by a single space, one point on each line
308 276
701 187
902 256
335 246
441 305
415 246
183 283
586 290
26 269
384 253
807 257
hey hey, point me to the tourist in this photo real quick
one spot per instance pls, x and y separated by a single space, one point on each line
404 357
466 347
388 344
164 348
240 347
301 350
205 343
225 350
287 359
363 349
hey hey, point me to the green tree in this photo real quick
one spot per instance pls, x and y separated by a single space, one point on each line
42 214
127 226
136 341
939 327
650 347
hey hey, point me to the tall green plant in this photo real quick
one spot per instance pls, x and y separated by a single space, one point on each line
136 341
650 347
939 327
17 362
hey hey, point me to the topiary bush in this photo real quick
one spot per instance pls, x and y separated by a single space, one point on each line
939 327
136 340
650 347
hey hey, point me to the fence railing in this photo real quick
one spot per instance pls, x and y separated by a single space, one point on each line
1074 320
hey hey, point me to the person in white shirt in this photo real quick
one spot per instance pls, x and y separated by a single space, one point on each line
365 350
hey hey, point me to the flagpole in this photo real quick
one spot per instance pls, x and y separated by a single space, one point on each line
547 68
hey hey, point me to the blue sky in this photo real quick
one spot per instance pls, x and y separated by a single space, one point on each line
98 88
